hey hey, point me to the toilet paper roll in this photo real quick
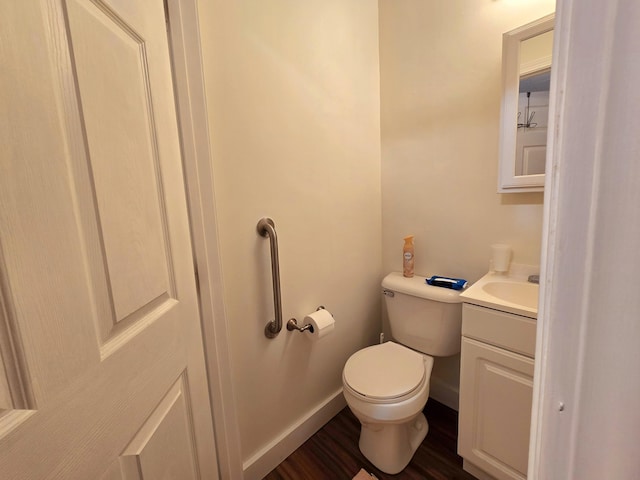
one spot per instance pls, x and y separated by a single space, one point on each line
501 257
323 324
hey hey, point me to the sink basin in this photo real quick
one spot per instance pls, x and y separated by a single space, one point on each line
525 294
508 293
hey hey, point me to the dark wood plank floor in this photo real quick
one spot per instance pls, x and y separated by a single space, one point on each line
332 453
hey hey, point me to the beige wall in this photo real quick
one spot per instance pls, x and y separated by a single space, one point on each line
293 99
440 64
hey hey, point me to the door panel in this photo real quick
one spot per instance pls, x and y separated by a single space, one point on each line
163 448
109 56
100 330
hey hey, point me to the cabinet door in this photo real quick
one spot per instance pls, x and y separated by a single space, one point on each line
496 389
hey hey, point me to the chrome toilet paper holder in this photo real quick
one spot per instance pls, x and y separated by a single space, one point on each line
292 324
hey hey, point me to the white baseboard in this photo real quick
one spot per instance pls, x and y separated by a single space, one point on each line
444 393
269 457
475 471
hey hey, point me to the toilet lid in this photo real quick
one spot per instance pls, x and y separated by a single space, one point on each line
384 371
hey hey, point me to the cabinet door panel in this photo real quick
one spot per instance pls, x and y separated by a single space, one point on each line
496 389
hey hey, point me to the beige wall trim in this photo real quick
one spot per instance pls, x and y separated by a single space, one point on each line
444 392
269 457
193 124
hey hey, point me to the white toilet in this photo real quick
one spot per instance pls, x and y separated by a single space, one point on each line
387 386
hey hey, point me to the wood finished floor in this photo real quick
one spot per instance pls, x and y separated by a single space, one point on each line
332 453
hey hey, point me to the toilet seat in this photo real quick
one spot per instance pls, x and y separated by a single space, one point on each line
385 373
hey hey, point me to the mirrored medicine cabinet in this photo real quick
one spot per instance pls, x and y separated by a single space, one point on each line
526 73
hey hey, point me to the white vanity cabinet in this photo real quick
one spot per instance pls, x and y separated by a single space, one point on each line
496 386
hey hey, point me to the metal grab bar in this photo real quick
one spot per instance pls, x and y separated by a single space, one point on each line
267 228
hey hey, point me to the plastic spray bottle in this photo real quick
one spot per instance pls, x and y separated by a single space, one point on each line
407 256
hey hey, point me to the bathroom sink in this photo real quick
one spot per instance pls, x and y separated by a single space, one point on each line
525 294
508 293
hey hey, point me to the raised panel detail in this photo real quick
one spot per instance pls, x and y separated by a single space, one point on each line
531 151
495 409
15 387
114 472
164 447
12 419
508 420
110 57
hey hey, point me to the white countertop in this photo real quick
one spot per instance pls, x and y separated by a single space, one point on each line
509 292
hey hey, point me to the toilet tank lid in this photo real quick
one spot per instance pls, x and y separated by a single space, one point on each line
417 286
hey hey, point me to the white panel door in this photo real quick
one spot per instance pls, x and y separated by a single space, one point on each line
102 371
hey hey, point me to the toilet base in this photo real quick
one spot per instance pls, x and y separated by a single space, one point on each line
390 446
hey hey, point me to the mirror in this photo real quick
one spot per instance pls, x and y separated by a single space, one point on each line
526 73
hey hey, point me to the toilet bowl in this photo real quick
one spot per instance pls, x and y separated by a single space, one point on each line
387 386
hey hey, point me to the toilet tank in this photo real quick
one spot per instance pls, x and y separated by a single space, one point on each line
423 317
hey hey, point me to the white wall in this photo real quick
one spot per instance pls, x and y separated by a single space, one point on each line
440 66
293 99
